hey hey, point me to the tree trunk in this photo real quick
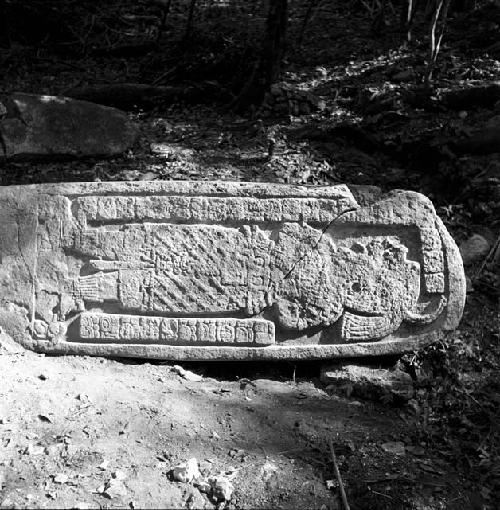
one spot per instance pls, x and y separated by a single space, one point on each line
4 26
267 69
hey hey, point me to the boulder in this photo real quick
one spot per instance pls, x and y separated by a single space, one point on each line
34 127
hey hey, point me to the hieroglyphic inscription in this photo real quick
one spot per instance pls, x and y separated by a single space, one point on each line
130 328
210 209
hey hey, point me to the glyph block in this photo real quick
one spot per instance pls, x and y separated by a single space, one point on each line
221 270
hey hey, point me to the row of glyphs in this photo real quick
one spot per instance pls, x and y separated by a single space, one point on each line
214 209
130 328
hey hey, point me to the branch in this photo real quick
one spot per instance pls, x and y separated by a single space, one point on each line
339 478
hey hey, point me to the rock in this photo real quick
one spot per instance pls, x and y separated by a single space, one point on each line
320 104
394 447
34 450
113 488
222 488
61 478
8 345
268 470
474 249
203 486
186 374
103 465
186 471
353 272
367 382
405 75
50 127
119 475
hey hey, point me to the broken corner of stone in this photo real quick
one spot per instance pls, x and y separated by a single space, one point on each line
225 270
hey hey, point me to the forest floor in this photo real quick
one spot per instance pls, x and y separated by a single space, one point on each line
96 433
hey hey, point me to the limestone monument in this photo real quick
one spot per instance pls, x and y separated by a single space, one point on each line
224 270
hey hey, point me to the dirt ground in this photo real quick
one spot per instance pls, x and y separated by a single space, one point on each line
88 419
97 433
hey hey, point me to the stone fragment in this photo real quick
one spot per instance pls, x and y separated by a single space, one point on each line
61 478
113 488
268 470
51 127
474 248
222 488
221 270
103 465
119 475
9 346
203 486
186 471
34 450
368 382
187 374
394 447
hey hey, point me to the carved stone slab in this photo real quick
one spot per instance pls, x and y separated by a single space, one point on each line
34 126
221 270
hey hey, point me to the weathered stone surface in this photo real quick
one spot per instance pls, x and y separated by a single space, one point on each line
367 381
33 127
217 270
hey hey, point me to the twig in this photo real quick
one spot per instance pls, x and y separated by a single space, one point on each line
381 494
339 478
164 75
61 62
307 17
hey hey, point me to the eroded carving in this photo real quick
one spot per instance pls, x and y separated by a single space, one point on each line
214 266
132 328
